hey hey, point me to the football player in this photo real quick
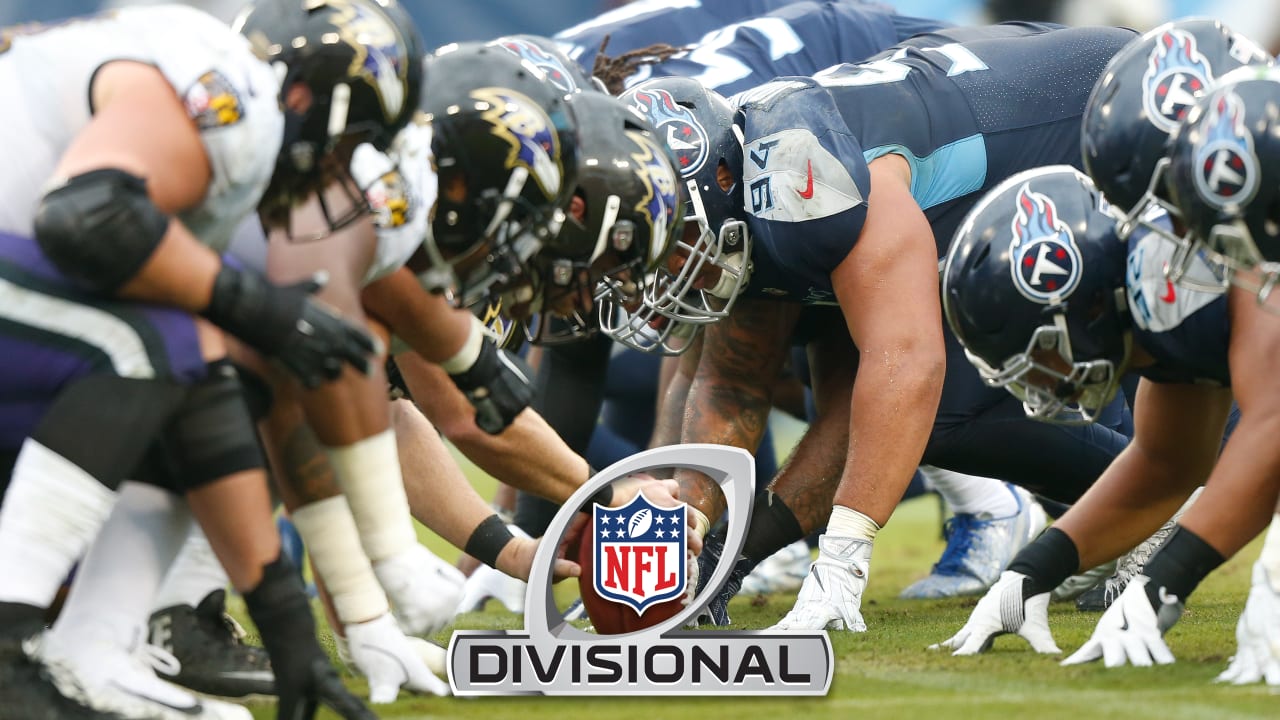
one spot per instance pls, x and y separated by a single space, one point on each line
780 189
1177 300
113 234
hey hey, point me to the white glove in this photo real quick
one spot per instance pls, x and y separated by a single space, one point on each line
424 590
1258 636
1001 611
390 660
1131 630
831 596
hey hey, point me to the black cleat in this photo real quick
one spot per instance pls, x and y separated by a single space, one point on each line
28 692
208 645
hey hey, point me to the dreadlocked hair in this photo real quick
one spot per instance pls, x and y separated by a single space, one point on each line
614 71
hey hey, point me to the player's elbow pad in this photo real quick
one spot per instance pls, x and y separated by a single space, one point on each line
99 228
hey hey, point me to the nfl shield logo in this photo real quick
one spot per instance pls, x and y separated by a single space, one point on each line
639 553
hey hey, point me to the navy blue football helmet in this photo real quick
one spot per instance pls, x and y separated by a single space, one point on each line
1033 286
1144 93
545 55
1224 175
505 145
698 127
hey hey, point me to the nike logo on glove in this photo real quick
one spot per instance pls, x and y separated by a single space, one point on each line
807 192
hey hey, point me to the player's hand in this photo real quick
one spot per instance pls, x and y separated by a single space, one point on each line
1131 630
424 590
1001 611
288 324
1257 657
311 684
663 493
497 385
516 558
390 660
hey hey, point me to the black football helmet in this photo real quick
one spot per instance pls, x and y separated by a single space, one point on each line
1033 286
1143 94
551 60
630 203
360 60
505 145
1224 174
698 127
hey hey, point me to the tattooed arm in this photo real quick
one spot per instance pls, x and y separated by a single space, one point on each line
731 394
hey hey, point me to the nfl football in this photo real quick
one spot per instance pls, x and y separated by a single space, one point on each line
614 618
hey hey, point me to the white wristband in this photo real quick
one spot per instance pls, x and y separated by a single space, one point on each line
329 531
369 473
466 357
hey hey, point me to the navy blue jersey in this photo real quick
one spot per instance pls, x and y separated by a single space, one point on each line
645 22
1186 330
799 39
967 108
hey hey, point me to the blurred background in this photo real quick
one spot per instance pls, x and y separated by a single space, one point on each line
443 21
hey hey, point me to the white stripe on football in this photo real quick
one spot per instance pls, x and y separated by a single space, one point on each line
640 523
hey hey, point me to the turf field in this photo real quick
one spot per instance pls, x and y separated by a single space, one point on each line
887 672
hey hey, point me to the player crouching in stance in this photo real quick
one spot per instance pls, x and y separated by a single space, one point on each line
165 156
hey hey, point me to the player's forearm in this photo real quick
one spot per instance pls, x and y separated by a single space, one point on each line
1248 468
724 413
528 456
425 321
894 404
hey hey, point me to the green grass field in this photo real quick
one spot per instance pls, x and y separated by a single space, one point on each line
887 672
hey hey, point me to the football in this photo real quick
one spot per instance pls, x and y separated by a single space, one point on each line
608 617
640 523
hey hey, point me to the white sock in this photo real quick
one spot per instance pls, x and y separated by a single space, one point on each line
51 512
333 542
1270 557
971 494
196 572
847 522
111 597
369 473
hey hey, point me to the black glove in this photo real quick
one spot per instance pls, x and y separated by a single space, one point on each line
497 384
286 323
305 679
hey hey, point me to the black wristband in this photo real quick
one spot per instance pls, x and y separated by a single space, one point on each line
488 540
1047 561
772 527
279 607
1179 565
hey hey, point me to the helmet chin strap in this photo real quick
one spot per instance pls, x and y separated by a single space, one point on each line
728 282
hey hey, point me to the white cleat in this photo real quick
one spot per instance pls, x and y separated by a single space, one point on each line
783 571
424 590
831 597
120 683
390 660
486 583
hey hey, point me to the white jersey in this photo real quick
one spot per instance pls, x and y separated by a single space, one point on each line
231 95
401 190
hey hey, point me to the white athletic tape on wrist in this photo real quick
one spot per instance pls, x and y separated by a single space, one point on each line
700 522
466 357
847 522
369 473
329 532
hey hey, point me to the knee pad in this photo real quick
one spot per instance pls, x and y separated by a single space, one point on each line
99 228
212 434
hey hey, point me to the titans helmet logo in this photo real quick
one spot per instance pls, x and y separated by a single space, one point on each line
676 125
549 64
1045 260
1176 75
526 128
1226 168
659 204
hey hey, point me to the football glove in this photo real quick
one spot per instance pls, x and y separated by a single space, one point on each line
497 384
1257 658
424 590
831 597
1002 611
390 660
286 323
1131 630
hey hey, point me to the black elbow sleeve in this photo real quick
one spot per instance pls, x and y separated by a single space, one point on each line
99 228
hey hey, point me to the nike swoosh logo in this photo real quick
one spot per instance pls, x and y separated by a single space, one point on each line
1169 294
807 192
1124 626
